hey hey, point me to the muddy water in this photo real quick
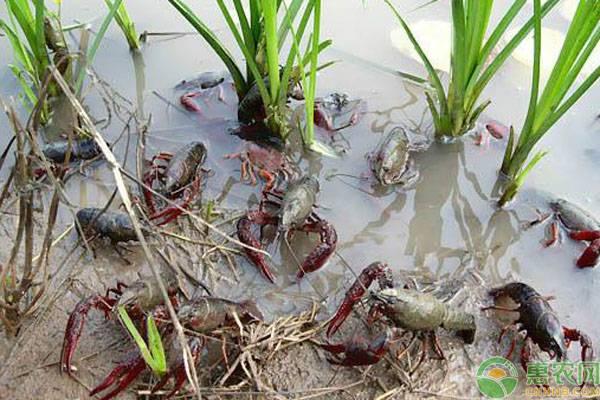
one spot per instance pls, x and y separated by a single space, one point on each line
443 226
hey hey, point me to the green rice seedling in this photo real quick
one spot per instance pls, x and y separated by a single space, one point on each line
126 24
36 38
260 30
559 94
153 352
456 109
24 29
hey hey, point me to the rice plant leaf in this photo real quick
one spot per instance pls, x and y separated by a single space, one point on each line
508 152
139 341
289 17
581 28
435 80
434 112
212 40
25 85
473 116
269 8
571 100
537 53
245 26
515 184
21 54
91 54
297 35
156 346
323 149
312 88
40 37
255 20
24 18
501 57
250 61
575 69
491 43
126 24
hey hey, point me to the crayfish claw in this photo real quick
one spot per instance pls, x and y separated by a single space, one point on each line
358 351
575 335
590 256
372 272
75 327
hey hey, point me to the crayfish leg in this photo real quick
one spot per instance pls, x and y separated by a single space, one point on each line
118 372
196 344
554 235
135 367
575 335
526 353
244 233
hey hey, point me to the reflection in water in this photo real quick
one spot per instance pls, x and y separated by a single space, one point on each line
485 240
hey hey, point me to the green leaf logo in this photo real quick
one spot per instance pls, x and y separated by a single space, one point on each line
497 378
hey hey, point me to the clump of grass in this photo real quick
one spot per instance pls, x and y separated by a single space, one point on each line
558 95
37 41
26 33
456 109
126 24
263 29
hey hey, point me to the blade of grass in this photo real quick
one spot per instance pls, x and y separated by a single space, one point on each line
156 346
250 61
89 58
433 76
269 8
502 56
212 40
140 342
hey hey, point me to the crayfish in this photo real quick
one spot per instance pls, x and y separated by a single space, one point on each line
201 315
179 176
581 225
56 153
408 309
392 162
114 225
295 214
336 111
540 323
266 161
198 86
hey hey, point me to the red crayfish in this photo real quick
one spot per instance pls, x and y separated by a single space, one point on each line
295 214
201 315
408 309
178 176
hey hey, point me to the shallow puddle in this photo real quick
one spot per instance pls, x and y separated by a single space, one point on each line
445 225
